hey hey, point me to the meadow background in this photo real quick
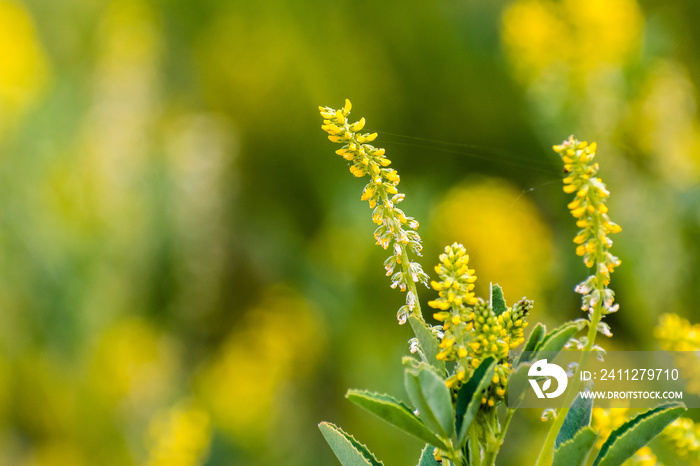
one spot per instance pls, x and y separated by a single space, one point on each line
188 274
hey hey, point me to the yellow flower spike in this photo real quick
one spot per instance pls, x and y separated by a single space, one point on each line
590 211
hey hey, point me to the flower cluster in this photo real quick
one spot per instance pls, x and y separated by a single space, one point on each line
593 244
395 230
677 334
471 330
683 435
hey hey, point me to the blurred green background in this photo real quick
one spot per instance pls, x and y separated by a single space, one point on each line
189 276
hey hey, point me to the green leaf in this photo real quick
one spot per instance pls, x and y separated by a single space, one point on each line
557 338
575 451
430 395
428 342
469 397
635 433
395 413
427 458
349 451
533 340
498 301
578 417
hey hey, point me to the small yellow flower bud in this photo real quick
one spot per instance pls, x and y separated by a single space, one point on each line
371 137
392 176
358 125
462 352
569 188
347 107
368 193
578 212
340 117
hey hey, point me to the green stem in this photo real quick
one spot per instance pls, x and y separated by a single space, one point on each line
474 450
492 452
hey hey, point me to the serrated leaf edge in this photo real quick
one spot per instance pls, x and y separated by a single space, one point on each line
359 447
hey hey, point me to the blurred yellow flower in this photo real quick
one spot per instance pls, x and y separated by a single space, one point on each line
134 365
503 232
675 333
278 342
180 436
665 122
24 69
544 38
